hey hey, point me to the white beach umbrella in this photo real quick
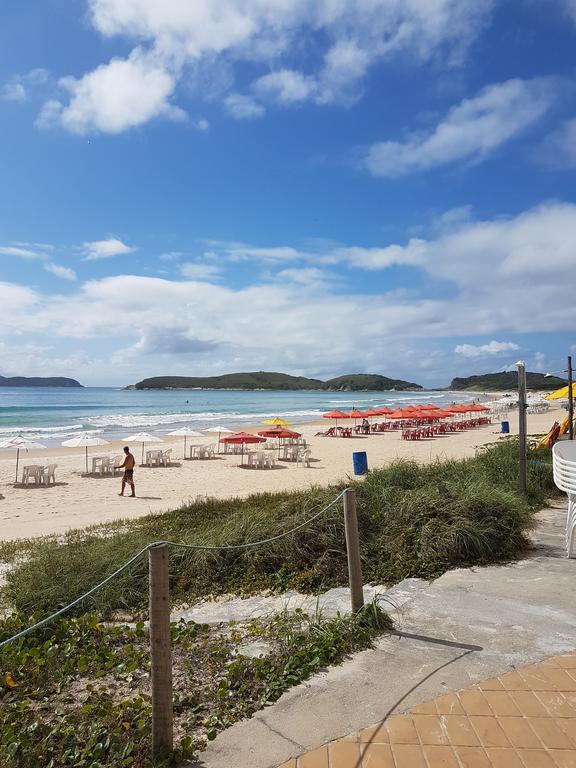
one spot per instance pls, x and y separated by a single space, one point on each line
220 431
83 440
143 437
186 432
20 443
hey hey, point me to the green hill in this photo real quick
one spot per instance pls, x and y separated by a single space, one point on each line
500 382
275 381
372 382
38 381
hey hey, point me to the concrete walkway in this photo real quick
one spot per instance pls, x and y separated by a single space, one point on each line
465 627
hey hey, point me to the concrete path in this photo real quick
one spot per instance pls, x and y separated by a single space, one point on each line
467 626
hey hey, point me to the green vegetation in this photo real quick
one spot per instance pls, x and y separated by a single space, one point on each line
37 381
500 382
276 381
77 694
414 521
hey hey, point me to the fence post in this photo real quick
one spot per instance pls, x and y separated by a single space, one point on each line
522 474
160 649
353 550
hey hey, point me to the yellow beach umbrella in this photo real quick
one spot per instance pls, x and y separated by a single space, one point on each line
562 393
277 422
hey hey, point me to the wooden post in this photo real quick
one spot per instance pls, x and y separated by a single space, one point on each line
522 477
160 650
570 400
353 550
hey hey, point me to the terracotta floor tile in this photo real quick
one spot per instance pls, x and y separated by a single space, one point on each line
536 758
489 732
557 704
429 728
549 733
344 754
528 703
289 764
563 758
440 757
561 678
539 679
377 756
566 662
449 704
318 758
568 726
501 704
427 708
474 702
377 734
401 730
493 684
504 758
408 756
519 733
512 681
472 757
459 731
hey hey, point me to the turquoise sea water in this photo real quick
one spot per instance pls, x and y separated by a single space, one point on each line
51 415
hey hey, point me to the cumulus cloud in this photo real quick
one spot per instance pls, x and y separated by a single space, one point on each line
470 131
19 86
65 273
176 38
559 149
105 249
199 271
486 350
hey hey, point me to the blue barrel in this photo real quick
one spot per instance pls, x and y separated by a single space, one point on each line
505 427
360 462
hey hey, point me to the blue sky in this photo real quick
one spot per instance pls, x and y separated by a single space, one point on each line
317 187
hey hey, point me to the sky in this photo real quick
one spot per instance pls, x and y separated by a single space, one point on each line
319 187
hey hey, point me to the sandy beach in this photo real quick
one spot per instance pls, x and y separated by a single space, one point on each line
77 501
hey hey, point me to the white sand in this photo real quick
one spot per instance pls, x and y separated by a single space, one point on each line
78 501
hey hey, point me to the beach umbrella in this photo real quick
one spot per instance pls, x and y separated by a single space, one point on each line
186 432
242 438
279 434
220 431
143 437
334 415
20 443
562 393
403 413
83 440
277 422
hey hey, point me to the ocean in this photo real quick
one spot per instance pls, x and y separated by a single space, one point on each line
51 415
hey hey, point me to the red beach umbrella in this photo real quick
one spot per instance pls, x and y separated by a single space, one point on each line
279 433
403 414
373 412
355 414
242 438
384 411
334 415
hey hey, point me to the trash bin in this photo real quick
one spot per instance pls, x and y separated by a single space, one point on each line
360 462
505 427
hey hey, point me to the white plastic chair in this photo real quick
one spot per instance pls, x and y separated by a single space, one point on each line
166 457
115 464
303 458
49 474
564 458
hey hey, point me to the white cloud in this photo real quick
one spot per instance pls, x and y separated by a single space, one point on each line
486 350
49 114
18 87
13 91
559 148
22 253
178 39
236 251
105 249
201 124
65 273
171 256
470 131
119 95
243 107
198 271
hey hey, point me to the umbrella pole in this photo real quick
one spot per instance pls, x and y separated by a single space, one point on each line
142 453
219 433
86 459
17 458
184 446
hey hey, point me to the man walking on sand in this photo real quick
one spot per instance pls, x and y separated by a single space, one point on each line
128 476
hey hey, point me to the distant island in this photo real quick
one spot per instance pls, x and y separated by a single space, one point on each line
500 382
358 382
38 381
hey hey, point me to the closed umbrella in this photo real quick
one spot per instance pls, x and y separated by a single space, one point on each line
143 437
242 438
84 439
20 443
221 431
186 432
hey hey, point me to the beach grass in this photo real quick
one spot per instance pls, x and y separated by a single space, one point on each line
414 521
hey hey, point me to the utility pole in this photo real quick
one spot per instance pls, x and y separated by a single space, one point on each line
570 400
522 477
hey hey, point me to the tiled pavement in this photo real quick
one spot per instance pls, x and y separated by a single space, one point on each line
523 719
